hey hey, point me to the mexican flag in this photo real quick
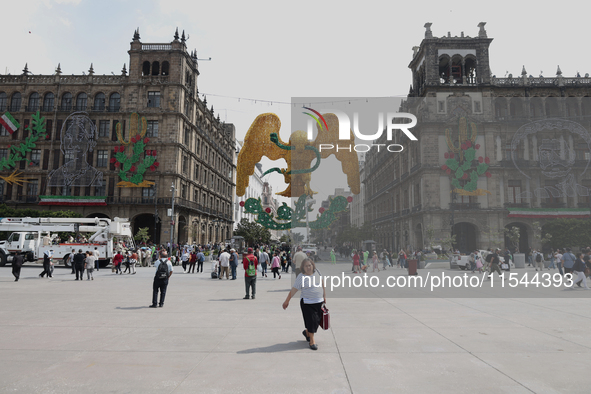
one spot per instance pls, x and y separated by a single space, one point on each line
9 122
549 213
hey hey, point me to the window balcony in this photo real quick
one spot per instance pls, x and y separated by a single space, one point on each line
466 206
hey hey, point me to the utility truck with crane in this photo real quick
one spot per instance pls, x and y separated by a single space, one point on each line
32 237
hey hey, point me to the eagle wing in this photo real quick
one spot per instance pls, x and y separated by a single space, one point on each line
349 160
257 144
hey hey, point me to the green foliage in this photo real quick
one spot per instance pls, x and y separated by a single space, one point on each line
19 152
469 155
513 234
142 235
560 233
452 164
252 232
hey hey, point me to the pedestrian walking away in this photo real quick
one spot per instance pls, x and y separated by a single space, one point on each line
97 256
79 260
250 263
275 265
163 272
17 263
89 263
310 283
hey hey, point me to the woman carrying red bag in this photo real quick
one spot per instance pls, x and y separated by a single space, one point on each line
310 282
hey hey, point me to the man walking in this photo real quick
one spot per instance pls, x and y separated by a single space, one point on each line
539 258
225 264
17 263
494 263
96 255
250 263
233 262
200 260
79 259
568 261
163 272
47 264
263 260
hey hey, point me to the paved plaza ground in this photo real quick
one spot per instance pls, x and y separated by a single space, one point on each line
64 336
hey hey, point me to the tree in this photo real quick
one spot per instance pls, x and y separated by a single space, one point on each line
252 232
448 243
513 234
539 234
142 235
429 234
568 232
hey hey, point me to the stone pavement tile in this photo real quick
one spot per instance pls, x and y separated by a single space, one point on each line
563 372
395 340
276 372
425 373
578 335
339 317
102 372
519 340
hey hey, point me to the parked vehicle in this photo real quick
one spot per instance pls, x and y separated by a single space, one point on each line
32 237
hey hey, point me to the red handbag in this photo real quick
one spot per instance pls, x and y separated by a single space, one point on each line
325 320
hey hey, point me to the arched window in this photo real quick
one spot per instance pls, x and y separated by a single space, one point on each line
552 106
48 102
572 107
81 102
516 108
456 69
444 69
146 68
33 102
536 107
66 102
470 70
99 102
114 102
3 101
15 102
501 108
155 68
165 68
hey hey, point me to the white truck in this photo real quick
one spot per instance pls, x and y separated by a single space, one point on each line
32 237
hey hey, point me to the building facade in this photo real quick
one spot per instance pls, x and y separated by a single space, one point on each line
492 153
92 129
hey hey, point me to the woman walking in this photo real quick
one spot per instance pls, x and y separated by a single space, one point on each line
133 262
275 264
310 282
375 261
356 267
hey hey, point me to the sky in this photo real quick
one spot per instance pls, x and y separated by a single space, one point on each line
263 53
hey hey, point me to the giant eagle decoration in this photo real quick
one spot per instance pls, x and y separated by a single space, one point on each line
262 139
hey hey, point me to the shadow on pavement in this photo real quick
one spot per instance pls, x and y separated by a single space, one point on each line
279 347
133 307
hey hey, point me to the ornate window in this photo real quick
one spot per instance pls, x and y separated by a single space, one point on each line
48 102
33 102
81 102
15 102
99 102
66 102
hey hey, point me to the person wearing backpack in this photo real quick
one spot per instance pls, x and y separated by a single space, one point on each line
163 272
539 260
250 263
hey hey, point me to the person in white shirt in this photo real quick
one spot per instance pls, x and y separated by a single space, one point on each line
263 260
225 264
96 255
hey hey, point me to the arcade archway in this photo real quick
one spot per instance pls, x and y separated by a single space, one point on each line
147 220
523 239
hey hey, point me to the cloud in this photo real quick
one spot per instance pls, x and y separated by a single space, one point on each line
66 22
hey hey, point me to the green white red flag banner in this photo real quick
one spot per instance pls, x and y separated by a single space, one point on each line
73 200
9 122
549 213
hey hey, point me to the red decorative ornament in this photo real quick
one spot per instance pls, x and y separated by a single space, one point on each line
133 140
153 153
469 144
112 160
152 168
477 146
349 199
465 176
31 163
241 203
488 174
137 137
146 140
156 164
321 210
132 168
121 148
148 153
451 155
448 171
446 155
117 164
268 210
480 159
444 167
9 146
116 149
486 160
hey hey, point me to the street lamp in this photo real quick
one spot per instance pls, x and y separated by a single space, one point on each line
173 189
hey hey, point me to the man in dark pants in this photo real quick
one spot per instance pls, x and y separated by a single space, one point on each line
250 263
47 263
160 283
79 264
200 260
17 263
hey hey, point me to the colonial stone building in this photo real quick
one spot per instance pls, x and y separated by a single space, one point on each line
492 153
91 129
